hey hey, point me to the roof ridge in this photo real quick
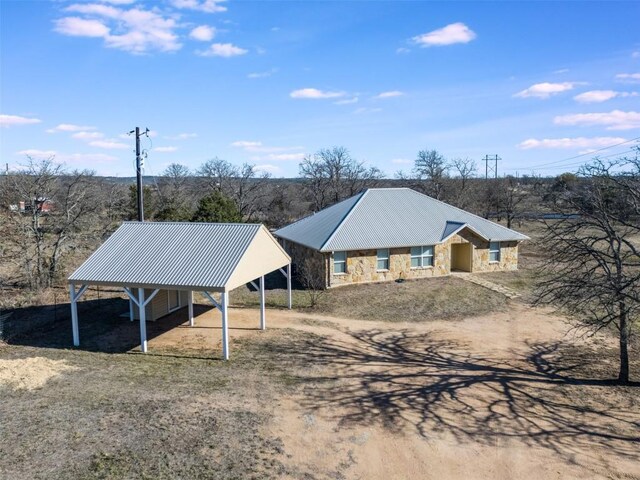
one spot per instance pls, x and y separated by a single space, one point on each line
190 223
466 212
341 222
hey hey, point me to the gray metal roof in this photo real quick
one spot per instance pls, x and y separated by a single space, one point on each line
162 254
388 218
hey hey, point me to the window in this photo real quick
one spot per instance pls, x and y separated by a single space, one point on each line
383 259
422 256
340 262
494 251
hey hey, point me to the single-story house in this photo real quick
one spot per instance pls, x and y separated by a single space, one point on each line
385 234
160 264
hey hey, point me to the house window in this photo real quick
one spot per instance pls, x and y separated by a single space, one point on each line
494 251
422 256
340 262
383 259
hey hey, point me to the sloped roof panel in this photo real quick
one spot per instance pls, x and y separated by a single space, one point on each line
180 255
313 231
395 217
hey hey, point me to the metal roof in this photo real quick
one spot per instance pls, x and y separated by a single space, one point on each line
389 218
196 256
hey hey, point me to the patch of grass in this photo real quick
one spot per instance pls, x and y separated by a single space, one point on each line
413 300
155 416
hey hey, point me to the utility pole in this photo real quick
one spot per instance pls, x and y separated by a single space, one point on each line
493 168
139 172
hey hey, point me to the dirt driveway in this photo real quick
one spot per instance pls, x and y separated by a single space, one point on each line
510 395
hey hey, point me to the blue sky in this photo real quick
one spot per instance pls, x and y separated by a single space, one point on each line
268 82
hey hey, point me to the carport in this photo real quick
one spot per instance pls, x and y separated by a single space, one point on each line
144 258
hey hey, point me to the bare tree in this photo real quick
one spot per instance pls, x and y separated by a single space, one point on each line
510 196
57 210
173 193
311 281
244 185
432 168
464 170
331 175
593 268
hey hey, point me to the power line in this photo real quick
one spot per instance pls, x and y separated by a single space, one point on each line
536 167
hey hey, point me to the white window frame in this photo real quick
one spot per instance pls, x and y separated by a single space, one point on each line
340 262
495 251
383 255
425 260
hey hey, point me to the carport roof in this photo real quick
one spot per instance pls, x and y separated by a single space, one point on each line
187 256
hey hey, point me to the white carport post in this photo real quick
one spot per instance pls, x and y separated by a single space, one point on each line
287 274
225 325
263 320
131 310
190 307
143 320
289 283
74 296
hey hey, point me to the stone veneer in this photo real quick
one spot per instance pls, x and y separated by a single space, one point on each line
362 264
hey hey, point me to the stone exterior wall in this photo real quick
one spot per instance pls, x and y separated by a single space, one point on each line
317 262
508 258
362 265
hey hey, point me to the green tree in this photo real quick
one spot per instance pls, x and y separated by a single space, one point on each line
215 207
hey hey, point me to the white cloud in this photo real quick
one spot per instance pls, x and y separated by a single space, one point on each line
207 6
347 101
69 127
274 153
628 77
246 144
33 152
182 136
134 30
546 89
203 33
401 161
314 93
87 135
222 50
391 94
449 35
577 142
165 149
268 168
365 110
402 51
614 120
80 27
599 96
108 144
636 54
268 73
13 120
561 71
283 157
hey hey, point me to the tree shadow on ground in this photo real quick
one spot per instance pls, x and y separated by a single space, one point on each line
540 397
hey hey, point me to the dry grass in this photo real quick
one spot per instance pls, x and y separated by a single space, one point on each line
413 301
126 415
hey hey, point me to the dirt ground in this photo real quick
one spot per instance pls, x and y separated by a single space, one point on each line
477 398
510 395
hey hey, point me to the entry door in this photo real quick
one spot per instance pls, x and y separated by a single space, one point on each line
174 299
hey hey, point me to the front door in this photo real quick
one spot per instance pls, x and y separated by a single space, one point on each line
461 256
